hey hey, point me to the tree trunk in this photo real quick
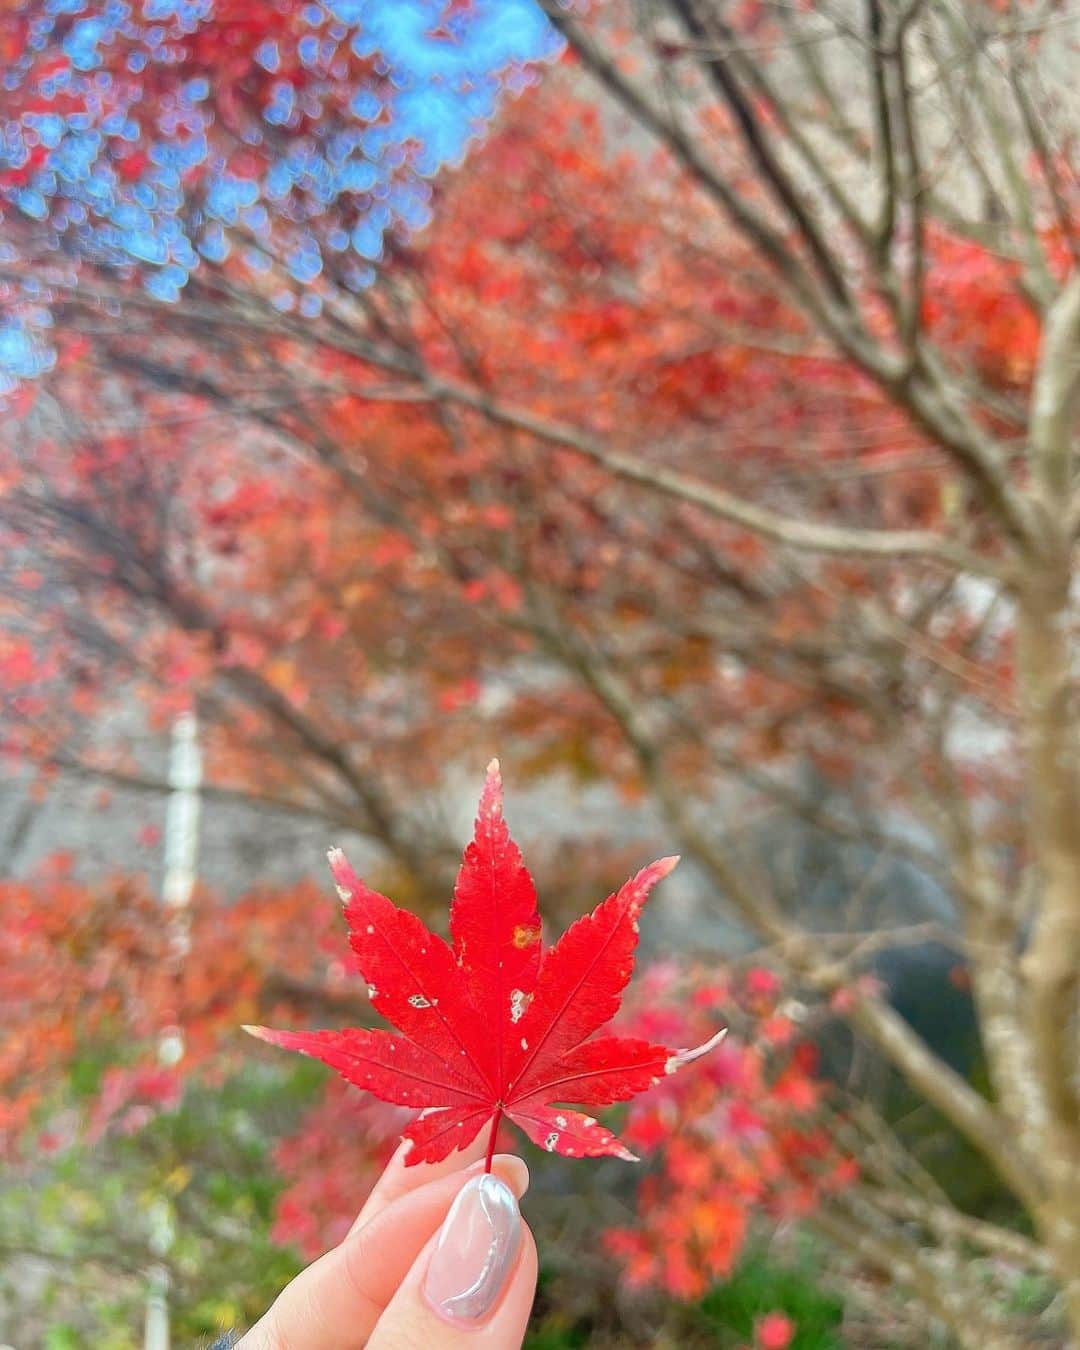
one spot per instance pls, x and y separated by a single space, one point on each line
1051 965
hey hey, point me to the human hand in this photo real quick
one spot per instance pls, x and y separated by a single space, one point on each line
439 1257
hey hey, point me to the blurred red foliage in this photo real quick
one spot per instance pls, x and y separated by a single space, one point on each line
748 1133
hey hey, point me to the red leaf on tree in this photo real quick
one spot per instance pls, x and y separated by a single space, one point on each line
491 1024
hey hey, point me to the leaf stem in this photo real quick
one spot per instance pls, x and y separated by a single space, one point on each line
496 1118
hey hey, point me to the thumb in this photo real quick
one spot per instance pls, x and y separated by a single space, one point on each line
472 1286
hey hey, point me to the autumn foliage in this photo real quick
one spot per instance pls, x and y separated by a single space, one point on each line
701 438
93 970
751 1132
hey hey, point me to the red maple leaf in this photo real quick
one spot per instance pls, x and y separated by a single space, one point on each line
491 1024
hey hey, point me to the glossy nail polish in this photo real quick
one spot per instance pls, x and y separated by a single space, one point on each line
475 1251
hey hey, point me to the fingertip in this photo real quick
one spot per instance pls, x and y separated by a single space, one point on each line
513 1170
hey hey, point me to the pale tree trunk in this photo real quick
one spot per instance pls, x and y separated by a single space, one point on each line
1047 686
1051 965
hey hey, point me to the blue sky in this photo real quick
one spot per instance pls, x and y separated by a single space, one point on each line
443 85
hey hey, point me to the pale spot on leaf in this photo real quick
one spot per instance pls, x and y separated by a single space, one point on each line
525 935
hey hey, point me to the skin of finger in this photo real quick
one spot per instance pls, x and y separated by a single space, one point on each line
336 1303
409 1321
398 1180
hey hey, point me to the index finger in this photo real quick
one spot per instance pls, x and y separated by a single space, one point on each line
398 1180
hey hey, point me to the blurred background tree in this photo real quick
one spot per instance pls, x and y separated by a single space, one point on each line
702 440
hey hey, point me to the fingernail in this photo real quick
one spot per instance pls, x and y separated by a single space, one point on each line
475 1251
